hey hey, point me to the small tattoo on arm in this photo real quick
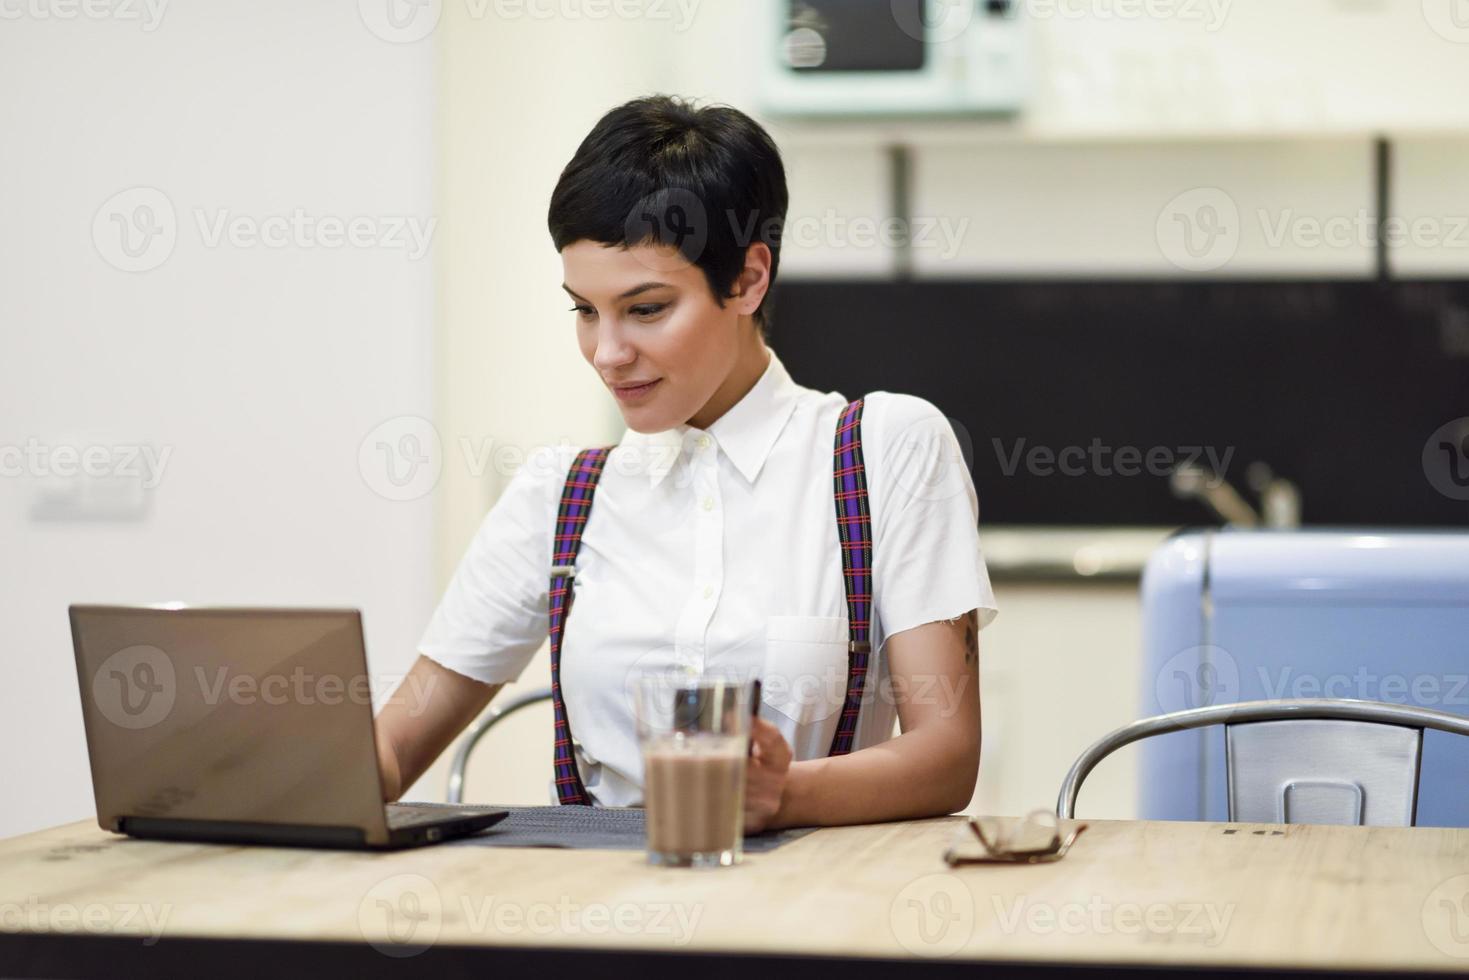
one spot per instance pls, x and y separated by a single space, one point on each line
971 637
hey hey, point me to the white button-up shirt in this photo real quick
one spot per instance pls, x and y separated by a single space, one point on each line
717 550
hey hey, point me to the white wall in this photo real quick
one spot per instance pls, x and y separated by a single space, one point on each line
260 369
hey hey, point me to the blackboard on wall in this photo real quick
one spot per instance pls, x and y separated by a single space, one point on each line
1337 385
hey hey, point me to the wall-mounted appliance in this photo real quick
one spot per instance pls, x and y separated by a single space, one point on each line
893 57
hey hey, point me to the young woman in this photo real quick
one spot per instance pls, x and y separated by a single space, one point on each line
743 524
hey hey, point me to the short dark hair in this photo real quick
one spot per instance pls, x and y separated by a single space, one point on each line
708 181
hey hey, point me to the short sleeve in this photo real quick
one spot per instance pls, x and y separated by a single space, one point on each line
494 615
927 563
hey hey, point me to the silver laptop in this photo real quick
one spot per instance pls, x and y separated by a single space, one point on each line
242 726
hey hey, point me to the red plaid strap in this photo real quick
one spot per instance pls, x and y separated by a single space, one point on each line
854 527
571 519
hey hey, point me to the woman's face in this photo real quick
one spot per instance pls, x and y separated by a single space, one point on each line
645 315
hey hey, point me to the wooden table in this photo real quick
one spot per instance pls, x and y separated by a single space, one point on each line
1217 898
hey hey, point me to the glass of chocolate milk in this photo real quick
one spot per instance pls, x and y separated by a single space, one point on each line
695 735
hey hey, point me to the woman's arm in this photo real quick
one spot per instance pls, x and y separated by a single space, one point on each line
928 770
425 713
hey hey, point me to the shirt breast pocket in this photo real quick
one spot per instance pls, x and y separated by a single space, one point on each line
805 675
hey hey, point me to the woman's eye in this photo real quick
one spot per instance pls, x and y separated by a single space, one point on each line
648 309
582 310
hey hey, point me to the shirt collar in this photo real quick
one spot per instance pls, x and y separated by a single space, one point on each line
745 433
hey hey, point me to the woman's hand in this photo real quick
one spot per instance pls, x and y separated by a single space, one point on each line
765 775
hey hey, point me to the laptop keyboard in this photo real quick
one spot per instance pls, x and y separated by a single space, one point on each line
413 814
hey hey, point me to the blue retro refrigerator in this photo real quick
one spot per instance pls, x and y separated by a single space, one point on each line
1246 615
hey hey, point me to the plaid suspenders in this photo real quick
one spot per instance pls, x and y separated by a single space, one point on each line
854 528
571 518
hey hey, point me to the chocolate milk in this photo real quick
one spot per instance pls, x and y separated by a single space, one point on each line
694 792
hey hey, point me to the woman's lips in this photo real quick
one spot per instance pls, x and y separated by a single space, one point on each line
636 394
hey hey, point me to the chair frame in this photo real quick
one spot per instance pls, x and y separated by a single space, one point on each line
1245 712
490 719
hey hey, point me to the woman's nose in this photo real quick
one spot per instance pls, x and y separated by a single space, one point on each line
613 350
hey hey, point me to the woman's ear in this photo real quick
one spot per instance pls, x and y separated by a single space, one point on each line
754 279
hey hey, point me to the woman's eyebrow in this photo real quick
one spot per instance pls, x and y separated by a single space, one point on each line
639 288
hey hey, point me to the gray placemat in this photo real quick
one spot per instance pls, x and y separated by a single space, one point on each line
592 827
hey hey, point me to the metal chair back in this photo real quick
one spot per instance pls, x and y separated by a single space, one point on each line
1312 760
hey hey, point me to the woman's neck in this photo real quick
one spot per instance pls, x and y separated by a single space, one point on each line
753 360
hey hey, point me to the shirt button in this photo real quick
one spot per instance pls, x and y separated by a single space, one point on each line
708 503
708 591
703 442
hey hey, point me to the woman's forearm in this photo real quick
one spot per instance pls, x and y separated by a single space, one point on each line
922 773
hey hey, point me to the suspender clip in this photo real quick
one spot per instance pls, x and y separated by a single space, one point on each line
567 570
859 646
